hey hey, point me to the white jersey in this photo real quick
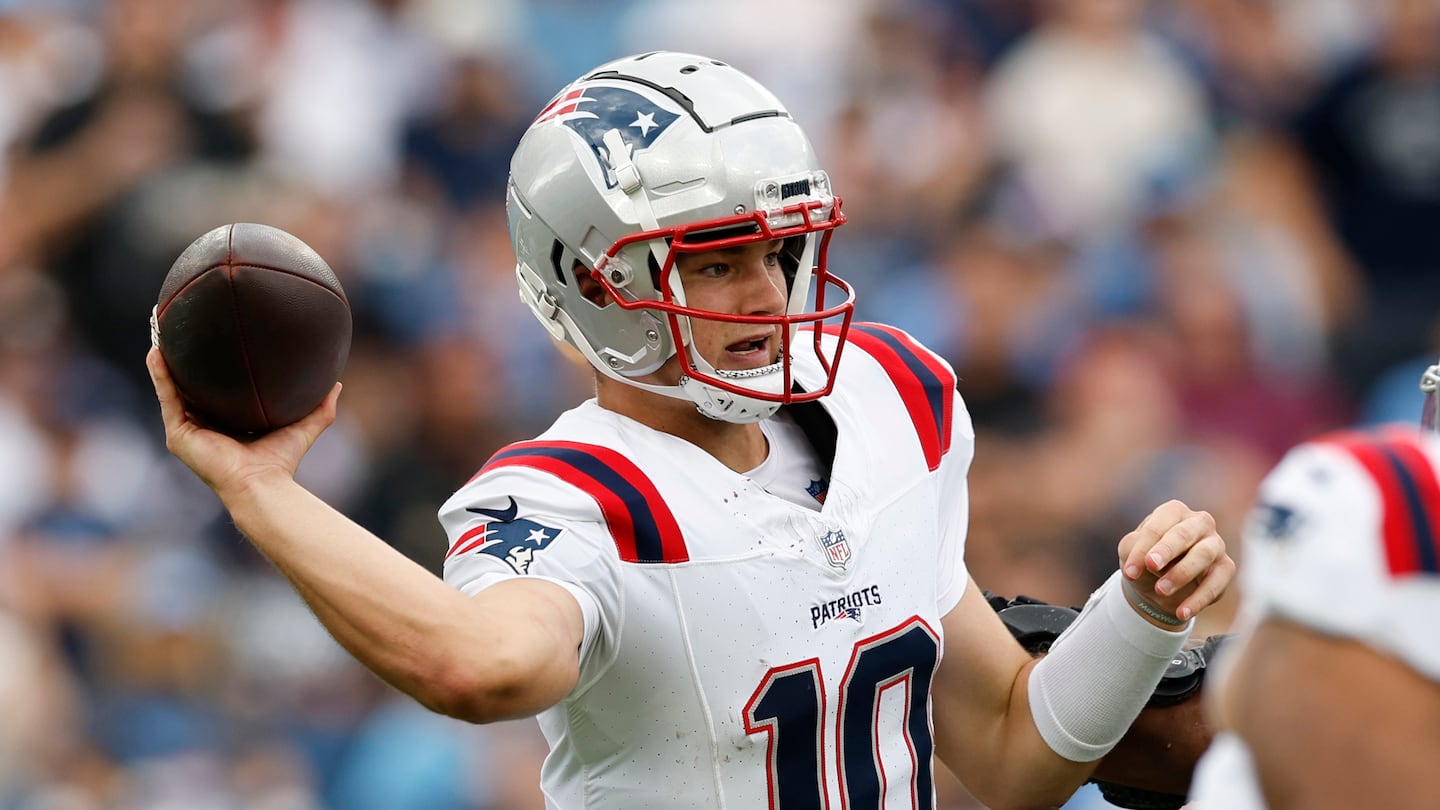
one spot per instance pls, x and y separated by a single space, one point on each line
1344 539
741 650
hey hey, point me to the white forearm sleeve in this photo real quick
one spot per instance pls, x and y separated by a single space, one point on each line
1098 675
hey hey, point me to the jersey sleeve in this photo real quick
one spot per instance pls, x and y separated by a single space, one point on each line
518 522
1339 541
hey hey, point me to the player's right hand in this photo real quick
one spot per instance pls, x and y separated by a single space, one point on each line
1176 560
225 464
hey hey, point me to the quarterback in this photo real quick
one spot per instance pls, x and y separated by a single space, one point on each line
734 578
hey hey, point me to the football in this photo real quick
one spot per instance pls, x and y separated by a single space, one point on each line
254 327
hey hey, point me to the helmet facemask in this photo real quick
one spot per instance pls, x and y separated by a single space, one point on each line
740 395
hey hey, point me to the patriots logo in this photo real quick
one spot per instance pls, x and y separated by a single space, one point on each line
1275 521
508 539
593 111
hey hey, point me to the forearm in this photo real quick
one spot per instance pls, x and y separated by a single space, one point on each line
984 731
457 655
1006 763
1155 759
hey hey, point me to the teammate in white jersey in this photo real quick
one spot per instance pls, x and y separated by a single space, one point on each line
1329 697
735 578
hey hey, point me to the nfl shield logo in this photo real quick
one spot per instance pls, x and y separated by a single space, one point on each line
837 548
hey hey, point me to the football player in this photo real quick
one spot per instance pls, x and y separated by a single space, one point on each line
1328 696
735 577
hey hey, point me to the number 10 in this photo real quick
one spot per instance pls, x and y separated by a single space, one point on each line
789 707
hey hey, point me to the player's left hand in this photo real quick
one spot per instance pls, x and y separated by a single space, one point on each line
1176 561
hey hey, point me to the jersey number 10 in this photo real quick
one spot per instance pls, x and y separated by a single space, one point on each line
789 707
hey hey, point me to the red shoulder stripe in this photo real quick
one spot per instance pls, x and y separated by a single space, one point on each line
1410 496
925 385
640 522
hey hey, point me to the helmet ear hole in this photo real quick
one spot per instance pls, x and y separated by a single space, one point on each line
592 290
557 253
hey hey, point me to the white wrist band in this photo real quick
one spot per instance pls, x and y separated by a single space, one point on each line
1099 674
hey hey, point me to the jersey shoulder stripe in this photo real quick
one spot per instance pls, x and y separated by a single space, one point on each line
926 385
641 524
1410 499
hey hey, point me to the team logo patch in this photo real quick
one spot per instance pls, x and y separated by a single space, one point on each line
837 548
593 111
506 538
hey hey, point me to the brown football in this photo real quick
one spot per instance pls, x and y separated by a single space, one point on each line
254 327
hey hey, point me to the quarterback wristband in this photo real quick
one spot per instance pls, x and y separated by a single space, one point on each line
1099 674
1148 609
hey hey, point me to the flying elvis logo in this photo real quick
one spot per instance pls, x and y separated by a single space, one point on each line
592 111
506 538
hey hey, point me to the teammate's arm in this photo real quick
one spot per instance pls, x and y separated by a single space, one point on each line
1287 675
510 651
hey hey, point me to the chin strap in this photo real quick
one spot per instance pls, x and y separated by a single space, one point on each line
1036 624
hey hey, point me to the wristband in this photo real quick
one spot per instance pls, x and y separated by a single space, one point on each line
1099 674
1148 609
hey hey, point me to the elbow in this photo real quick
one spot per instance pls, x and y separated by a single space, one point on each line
1036 789
486 691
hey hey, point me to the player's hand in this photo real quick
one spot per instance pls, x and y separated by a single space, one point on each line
226 464
1175 560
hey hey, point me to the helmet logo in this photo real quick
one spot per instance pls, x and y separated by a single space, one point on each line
593 111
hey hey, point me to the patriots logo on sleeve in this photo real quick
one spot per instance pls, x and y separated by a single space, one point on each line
1275 521
593 111
516 541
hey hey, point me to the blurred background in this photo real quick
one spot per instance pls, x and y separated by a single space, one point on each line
1159 241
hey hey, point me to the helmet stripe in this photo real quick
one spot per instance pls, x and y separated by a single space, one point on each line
642 526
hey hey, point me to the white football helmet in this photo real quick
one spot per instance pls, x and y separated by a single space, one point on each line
654 155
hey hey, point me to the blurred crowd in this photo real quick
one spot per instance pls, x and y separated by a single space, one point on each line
1160 242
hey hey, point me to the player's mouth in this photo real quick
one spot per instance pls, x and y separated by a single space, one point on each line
752 352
